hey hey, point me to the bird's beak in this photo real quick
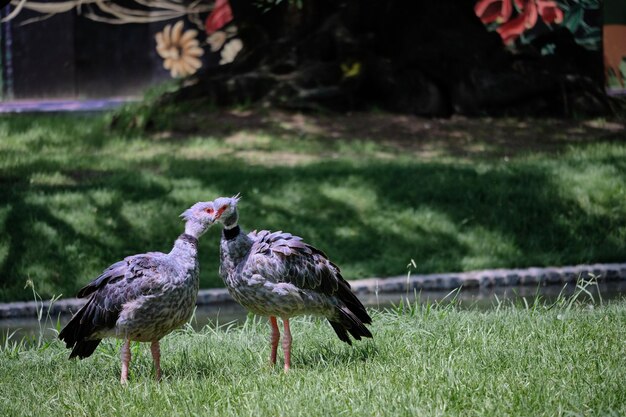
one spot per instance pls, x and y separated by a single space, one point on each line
219 213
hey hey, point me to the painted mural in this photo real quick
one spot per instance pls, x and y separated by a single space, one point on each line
204 35
519 22
614 33
594 24
169 39
181 51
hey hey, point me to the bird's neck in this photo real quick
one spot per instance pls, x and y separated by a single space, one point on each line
231 232
185 249
230 221
194 229
235 246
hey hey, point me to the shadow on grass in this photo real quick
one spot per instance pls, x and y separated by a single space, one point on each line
330 354
371 219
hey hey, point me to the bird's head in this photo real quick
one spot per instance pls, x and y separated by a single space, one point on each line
226 210
198 218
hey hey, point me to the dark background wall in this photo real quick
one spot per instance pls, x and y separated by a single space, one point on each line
69 56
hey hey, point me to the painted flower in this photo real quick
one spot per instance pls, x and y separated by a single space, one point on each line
217 40
221 15
526 19
549 11
230 51
490 11
180 51
500 11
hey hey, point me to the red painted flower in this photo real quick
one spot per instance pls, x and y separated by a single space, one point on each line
549 11
500 11
511 30
219 16
490 11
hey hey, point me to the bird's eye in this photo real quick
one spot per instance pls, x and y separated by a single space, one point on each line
209 210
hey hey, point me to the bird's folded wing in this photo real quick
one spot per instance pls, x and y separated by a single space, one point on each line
122 282
131 267
282 257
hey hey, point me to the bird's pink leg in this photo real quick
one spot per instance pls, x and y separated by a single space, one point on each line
125 355
156 357
287 343
274 339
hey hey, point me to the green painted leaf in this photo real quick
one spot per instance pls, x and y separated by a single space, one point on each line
622 67
574 18
592 39
590 4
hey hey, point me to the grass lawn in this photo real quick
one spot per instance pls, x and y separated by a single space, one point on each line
76 196
563 360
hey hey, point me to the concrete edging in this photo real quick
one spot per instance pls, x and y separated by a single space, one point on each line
403 283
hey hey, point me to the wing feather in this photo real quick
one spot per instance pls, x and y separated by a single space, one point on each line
284 258
121 283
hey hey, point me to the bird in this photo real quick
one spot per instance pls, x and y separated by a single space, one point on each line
277 274
143 297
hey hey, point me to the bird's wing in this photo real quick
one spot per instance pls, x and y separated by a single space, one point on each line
282 257
122 282
126 268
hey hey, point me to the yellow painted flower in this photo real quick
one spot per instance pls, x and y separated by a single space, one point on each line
180 51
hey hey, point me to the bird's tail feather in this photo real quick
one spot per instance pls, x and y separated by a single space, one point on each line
348 322
341 332
355 306
84 348
75 334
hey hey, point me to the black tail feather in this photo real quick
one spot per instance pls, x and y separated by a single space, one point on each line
355 306
341 332
348 322
84 348
77 332
351 317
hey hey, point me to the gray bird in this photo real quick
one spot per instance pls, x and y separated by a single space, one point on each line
278 275
142 298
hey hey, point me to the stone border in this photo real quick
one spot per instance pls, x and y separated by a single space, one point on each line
491 278
398 284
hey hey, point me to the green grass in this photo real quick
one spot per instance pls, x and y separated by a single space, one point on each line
76 197
567 359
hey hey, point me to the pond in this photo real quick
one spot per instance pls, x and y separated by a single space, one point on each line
30 329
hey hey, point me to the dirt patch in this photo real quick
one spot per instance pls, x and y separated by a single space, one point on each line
427 137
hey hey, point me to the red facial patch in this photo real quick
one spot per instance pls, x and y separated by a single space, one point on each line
220 211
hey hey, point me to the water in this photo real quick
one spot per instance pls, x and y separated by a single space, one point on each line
481 299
